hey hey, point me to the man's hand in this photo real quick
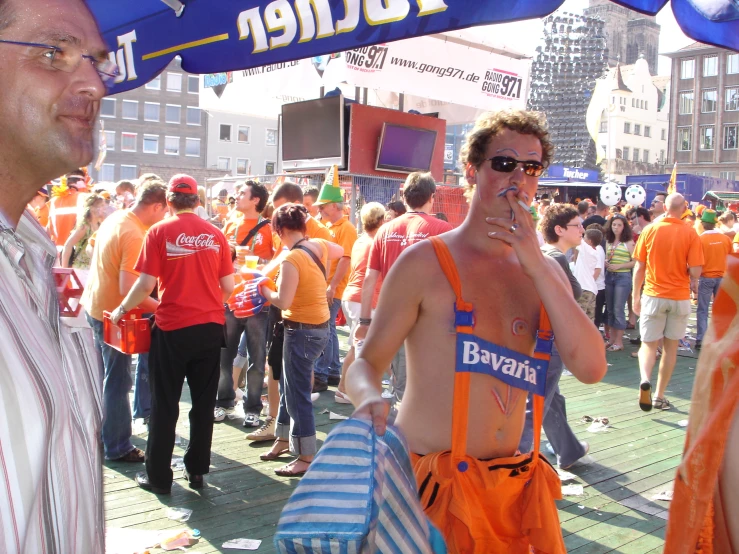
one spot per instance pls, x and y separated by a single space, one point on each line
375 409
636 303
520 234
330 293
694 286
117 315
361 332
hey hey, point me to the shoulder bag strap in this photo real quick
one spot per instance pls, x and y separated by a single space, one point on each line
313 257
253 232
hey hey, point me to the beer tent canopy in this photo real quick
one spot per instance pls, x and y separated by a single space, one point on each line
214 36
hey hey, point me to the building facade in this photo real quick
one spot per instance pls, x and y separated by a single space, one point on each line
634 129
157 128
629 34
704 107
241 144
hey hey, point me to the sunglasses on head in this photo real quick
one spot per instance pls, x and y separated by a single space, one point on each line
506 164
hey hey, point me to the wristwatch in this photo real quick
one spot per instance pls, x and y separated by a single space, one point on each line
365 320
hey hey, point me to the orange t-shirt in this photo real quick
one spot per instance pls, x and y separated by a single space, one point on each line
62 217
668 247
237 228
345 235
117 246
716 246
309 304
360 257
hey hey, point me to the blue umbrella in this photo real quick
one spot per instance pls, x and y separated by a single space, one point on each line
214 36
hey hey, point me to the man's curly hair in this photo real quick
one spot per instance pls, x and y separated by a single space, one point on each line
489 124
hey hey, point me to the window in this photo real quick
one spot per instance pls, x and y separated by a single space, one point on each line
172 146
174 82
128 142
684 138
706 142
151 111
151 144
662 156
710 97
636 154
686 102
664 134
225 132
730 175
626 152
645 156
647 131
732 99
224 164
192 147
637 129
627 127
242 166
269 168
109 141
619 154
107 107
107 172
603 126
271 139
243 135
732 64
155 83
730 134
193 84
129 172
687 69
710 66
646 104
173 114
633 102
193 116
130 109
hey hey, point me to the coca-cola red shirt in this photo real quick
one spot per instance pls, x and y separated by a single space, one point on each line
188 256
398 234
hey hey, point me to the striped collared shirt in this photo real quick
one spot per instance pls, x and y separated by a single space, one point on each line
50 408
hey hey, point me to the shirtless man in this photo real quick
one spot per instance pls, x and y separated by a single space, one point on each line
506 278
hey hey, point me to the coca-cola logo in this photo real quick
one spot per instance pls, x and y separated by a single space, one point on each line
199 241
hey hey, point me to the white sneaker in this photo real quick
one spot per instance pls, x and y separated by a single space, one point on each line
265 433
251 420
315 396
219 414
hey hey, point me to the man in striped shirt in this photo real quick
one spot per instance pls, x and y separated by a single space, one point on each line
50 380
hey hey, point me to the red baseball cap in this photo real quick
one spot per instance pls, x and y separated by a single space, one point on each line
184 184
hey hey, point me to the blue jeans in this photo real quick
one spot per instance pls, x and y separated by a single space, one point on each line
329 363
116 385
618 289
558 431
707 289
141 388
295 415
255 328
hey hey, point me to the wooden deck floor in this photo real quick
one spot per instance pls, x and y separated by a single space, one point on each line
631 462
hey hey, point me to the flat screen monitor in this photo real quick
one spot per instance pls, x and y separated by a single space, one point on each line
405 149
313 134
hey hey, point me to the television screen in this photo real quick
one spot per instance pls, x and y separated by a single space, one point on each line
405 149
313 133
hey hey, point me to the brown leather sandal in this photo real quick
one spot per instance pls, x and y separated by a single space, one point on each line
136 456
270 456
288 470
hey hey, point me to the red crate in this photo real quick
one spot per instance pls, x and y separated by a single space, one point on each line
132 334
69 289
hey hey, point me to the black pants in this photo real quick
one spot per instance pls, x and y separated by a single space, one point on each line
600 303
193 352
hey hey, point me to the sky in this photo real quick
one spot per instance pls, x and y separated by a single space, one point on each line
671 37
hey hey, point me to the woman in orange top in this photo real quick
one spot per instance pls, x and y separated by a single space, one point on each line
301 295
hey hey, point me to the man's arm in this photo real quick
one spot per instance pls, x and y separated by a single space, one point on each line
396 313
126 281
640 270
695 276
227 286
138 293
368 291
342 266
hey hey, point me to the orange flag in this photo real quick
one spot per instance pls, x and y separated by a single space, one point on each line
672 187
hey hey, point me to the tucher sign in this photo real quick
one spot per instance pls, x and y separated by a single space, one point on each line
576 173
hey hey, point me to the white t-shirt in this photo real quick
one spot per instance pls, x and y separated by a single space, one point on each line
587 261
600 282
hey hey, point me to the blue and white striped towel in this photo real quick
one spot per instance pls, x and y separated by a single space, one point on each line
359 496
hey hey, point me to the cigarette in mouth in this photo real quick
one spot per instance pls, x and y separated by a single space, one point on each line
523 205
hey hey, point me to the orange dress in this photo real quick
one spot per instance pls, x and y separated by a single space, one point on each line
505 505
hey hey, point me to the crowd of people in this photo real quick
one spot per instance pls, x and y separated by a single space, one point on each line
474 325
